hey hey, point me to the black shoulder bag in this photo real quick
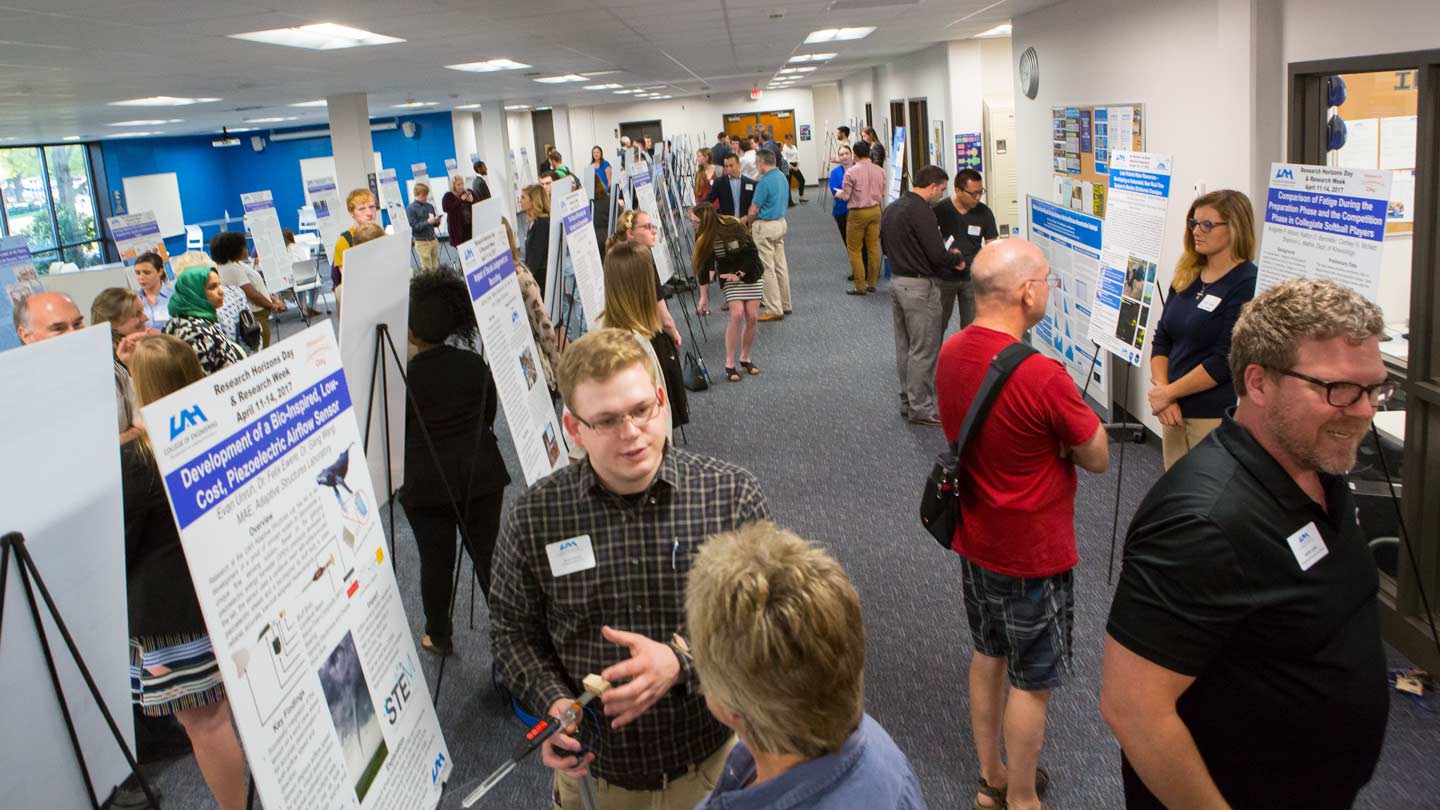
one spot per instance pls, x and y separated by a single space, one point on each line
940 504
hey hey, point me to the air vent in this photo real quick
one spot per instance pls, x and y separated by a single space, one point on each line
856 5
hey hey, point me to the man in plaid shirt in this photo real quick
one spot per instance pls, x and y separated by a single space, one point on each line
589 576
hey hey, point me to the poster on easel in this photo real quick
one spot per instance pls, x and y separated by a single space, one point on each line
513 356
280 523
645 201
572 211
394 203
135 234
19 279
1071 242
1139 199
271 256
331 218
1324 222
896 159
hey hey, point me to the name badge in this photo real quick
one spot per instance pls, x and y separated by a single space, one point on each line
570 556
1208 303
1307 546
973 230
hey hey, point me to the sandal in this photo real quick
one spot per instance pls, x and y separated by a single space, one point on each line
994 794
750 368
731 374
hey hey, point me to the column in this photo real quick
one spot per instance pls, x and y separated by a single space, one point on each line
350 141
462 123
494 148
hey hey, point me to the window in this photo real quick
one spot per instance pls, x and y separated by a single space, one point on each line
47 196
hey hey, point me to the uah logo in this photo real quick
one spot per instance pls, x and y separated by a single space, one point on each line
1284 174
435 770
183 420
569 544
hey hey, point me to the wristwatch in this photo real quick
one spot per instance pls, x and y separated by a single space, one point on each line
681 648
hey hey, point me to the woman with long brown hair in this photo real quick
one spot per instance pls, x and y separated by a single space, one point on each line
535 205
630 304
1190 356
704 173
636 226
724 251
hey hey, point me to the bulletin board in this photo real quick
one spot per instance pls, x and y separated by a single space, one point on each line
1380 114
1082 140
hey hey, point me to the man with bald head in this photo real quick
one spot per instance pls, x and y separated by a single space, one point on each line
45 315
1017 532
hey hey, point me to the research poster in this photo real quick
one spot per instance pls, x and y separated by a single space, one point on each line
573 211
18 277
394 203
280 523
513 356
645 199
1323 222
135 233
331 218
270 253
969 151
1139 198
1071 242
896 159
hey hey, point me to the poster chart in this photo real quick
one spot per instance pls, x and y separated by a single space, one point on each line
280 524
969 151
66 501
18 277
896 159
572 211
135 234
1323 222
331 218
419 173
1134 231
645 200
394 202
1071 242
270 254
510 349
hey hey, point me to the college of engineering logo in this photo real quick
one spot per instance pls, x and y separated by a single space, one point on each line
182 421
1284 174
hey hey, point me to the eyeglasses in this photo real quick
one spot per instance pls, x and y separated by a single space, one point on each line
1049 280
976 193
611 425
1345 394
1204 225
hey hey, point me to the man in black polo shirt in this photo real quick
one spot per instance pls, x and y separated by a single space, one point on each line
970 223
1243 664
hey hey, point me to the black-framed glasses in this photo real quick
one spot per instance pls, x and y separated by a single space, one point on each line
979 192
1204 225
640 415
1345 394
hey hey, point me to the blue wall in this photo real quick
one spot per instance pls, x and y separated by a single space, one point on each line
211 180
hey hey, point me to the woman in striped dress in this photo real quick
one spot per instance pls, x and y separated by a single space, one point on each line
172 666
725 251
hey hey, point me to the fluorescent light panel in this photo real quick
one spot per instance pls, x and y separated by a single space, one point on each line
274 119
154 122
318 37
517 107
839 34
411 105
319 102
1002 30
812 57
489 66
133 134
568 77
468 107
161 101
601 86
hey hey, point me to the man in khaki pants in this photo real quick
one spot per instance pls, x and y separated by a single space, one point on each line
767 213
422 228
863 188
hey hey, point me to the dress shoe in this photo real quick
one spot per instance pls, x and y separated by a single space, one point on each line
770 316
925 421
854 292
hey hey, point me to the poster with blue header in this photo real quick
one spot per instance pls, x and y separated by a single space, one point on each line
1324 222
268 484
18 277
1071 242
1137 203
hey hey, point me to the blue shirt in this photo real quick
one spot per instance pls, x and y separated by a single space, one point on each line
157 315
600 173
837 181
1191 336
869 771
772 195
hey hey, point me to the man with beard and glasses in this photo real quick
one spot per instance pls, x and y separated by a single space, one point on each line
1243 663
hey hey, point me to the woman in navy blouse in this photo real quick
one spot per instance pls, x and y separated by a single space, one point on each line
1190 359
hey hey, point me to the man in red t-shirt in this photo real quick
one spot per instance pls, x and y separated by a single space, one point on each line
1017 539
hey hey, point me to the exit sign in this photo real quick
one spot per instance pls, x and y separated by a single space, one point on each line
754 94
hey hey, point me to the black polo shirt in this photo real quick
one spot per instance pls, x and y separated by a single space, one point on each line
970 229
1290 699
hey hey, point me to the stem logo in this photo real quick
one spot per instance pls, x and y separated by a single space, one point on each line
182 421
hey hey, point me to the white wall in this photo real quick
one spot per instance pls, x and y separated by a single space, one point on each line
855 90
522 134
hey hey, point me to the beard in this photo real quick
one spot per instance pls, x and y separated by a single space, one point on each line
1317 447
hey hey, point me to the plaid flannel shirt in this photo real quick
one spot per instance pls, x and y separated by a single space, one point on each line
545 630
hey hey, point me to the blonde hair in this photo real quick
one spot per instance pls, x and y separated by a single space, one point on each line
193 258
354 198
162 365
1271 327
456 180
624 224
539 200
364 233
510 234
778 637
630 289
422 188
599 356
112 305
1234 208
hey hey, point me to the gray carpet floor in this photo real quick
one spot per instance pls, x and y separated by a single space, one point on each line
820 428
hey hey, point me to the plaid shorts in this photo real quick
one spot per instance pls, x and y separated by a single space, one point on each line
1027 621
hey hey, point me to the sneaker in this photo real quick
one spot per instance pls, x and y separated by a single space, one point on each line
925 421
870 289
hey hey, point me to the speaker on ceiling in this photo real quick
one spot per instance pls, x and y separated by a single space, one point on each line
257 143
408 129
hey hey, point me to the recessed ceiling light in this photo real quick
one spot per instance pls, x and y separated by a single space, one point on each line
133 134
662 98
601 86
153 122
410 105
468 107
1002 30
568 77
810 69
489 66
318 37
517 107
274 119
626 92
812 57
71 138
319 102
593 73
161 101
839 34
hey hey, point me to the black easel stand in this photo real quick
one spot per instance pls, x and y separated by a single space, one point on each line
377 373
13 543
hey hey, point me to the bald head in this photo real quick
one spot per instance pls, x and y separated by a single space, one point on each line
1002 266
45 315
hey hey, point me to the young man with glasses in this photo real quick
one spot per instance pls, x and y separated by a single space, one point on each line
589 577
969 223
1243 661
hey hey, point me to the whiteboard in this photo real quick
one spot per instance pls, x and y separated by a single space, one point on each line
159 193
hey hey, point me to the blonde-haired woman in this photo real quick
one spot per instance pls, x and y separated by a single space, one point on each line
724 251
636 226
173 670
540 326
630 304
124 310
1190 356
535 205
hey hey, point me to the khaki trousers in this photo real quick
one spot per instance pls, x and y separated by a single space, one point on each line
769 237
1177 441
683 793
428 252
862 236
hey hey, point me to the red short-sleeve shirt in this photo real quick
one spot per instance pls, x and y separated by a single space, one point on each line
1019 507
